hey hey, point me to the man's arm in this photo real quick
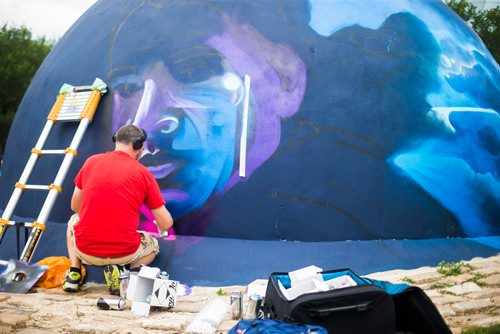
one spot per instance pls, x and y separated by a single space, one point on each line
76 200
163 218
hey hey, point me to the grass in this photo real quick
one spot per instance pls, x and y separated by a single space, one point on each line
476 278
440 285
407 280
453 268
221 292
494 329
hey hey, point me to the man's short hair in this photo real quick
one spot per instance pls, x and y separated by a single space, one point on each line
128 134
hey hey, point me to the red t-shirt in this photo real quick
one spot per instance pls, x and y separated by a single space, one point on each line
114 186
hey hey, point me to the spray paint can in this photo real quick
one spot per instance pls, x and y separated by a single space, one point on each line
164 275
253 308
236 305
111 304
124 280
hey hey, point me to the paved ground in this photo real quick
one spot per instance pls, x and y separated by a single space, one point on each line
466 300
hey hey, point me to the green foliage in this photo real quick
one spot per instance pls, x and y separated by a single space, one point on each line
407 280
440 285
486 23
221 292
20 57
494 329
476 279
452 268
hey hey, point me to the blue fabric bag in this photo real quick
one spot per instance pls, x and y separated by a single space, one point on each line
268 326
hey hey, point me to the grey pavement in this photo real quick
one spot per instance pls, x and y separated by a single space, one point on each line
466 300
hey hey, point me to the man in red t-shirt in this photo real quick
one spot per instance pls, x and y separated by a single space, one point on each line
109 191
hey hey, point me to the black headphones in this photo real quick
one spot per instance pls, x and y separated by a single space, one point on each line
137 143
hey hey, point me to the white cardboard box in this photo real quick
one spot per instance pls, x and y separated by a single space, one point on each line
149 272
300 275
257 287
308 286
164 293
341 282
139 288
145 289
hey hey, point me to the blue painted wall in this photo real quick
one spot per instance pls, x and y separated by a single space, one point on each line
363 123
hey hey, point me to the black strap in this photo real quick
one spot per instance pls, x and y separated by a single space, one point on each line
323 312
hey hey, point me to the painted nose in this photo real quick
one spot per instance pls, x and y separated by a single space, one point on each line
147 99
149 148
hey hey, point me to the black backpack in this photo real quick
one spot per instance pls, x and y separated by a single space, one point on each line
371 306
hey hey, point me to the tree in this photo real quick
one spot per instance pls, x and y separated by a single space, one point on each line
20 57
486 23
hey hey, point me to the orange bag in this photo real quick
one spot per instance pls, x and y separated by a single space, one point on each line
56 274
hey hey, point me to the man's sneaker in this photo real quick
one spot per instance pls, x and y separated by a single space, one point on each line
73 281
112 273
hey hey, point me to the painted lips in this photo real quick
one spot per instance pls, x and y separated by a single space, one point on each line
161 171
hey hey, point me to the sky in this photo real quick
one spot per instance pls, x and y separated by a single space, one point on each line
45 18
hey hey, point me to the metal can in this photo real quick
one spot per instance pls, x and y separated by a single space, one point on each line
236 305
111 304
253 308
124 280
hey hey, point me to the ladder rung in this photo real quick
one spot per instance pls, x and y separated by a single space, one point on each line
76 101
72 112
36 187
82 89
68 117
53 151
71 109
79 97
80 93
42 187
24 224
83 92
72 106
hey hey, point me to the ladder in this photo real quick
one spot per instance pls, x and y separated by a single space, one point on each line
73 104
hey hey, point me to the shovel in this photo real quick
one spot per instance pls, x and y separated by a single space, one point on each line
18 276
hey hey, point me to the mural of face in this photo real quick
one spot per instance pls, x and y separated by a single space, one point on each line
194 127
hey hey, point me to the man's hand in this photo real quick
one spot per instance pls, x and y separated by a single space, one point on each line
163 219
162 233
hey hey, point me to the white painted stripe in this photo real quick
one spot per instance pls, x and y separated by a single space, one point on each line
244 128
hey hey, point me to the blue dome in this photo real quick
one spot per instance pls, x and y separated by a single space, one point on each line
355 122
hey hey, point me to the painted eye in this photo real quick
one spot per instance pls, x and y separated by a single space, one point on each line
127 89
167 124
231 81
127 85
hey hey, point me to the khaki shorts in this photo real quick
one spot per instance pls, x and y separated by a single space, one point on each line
148 245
